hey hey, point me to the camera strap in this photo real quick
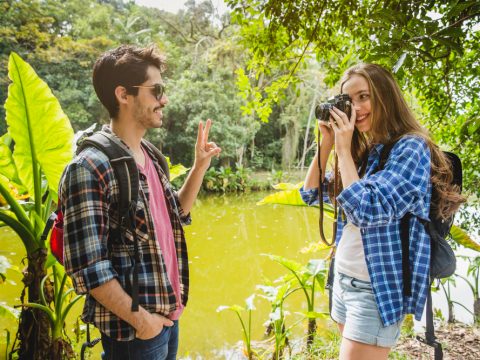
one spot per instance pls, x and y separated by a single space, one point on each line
320 199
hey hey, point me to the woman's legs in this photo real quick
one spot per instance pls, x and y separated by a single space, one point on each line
354 350
355 311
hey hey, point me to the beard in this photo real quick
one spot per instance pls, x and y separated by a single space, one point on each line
147 117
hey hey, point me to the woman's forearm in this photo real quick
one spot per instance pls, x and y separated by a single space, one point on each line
313 174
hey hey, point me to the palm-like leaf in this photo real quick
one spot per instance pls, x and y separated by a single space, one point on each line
41 130
462 238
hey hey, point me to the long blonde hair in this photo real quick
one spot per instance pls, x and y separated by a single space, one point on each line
392 118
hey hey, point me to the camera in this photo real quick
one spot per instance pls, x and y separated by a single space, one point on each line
341 102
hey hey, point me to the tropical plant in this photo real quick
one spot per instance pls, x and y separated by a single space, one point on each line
276 296
305 278
61 300
246 328
473 281
41 137
225 179
446 284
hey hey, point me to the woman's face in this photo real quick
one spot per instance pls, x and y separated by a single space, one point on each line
358 89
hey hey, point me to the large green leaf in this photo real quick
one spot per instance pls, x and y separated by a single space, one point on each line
288 196
42 132
462 238
176 170
7 166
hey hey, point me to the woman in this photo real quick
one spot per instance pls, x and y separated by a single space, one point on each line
368 302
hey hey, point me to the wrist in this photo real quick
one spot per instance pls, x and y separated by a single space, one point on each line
139 319
201 169
343 153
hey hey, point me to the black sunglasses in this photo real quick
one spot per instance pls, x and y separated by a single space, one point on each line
157 90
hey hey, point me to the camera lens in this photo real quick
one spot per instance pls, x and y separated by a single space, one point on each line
322 111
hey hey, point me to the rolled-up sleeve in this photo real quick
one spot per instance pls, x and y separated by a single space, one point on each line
402 186
185 219
310 196
85 212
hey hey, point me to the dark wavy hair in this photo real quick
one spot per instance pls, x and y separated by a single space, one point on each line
124 66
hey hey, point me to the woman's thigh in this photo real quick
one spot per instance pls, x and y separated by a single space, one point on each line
356 312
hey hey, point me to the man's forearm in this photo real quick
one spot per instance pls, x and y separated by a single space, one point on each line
112 296
189 191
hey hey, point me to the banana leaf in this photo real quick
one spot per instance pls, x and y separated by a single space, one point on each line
176 170
462 238
7 166
289 195
40 129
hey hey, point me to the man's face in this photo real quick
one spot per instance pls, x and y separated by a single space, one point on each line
147 110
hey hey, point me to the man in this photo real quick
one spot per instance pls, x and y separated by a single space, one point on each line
128 82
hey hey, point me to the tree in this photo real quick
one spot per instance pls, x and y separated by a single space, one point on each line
432 47
41 137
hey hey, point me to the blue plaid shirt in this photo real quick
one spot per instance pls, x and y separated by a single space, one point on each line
376 204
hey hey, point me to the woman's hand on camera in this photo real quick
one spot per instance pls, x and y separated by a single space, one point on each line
343 128
328 136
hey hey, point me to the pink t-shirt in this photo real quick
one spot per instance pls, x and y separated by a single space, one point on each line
163 229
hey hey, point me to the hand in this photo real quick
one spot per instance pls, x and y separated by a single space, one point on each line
328 136
152 326
343 128
204 150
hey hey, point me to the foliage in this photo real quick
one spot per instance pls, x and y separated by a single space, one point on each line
246 328
5 266
62 302
305 278
42 138
473 281
276 296
288 195
431 46
225 180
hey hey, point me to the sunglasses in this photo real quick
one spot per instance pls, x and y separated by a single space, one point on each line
157 90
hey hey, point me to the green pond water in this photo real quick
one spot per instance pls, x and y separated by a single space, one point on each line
226 241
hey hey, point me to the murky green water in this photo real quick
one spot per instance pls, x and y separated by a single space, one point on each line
225 243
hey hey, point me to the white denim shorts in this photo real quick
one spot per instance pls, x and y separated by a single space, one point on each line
354 306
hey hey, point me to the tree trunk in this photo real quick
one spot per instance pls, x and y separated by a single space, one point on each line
34 333
311 115
290 142
451 316
312 330
476 311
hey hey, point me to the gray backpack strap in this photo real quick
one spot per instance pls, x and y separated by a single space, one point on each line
126 174
162 161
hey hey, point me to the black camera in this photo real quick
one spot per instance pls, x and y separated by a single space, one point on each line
341 102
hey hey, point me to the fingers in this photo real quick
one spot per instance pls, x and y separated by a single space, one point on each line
207 130
213 149
200 133
165 321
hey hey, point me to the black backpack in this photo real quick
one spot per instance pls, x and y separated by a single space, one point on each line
126 174
442 257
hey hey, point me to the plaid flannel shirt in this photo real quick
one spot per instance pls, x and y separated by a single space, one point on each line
89 195
376 204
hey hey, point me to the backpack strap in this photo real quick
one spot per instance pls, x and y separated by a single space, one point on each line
162 160
126 174
430 338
